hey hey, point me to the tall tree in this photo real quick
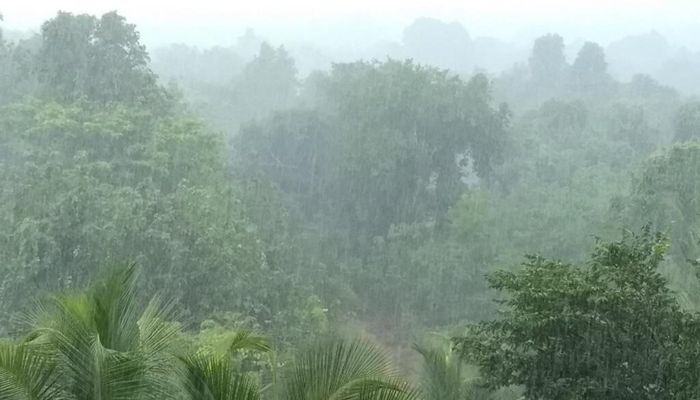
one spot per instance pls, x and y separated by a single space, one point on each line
388 144
547 61
99 59
16 70
590 68
80 186
665 193
267 83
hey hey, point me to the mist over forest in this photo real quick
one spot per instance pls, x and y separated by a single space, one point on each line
441 215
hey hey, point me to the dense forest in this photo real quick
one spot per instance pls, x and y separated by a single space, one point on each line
214 224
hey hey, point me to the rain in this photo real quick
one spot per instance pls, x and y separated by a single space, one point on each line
351 200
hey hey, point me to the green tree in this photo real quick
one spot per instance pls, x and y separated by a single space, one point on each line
609 329
686 122
385 151
443 375
267 83
589 69
16 66
215 378
105 345
630 123
99 59
292 150
80 186
547 61
388 144
665 193
562 119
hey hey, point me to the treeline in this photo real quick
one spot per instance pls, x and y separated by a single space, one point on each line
607 329
369 199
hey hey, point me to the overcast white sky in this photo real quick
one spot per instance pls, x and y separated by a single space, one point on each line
207 22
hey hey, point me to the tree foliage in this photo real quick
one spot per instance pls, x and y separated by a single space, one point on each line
547 62
401 137
590 67
686 122
609 329
83 186
98 59
103 343
371 197
337 369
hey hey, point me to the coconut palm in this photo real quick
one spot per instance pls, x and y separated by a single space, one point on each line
214 378
442 375
102 344
337 369
213 375
105 346
246 340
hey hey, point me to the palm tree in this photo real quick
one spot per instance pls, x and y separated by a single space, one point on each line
214 378
443 376
336 369
105 346
210 376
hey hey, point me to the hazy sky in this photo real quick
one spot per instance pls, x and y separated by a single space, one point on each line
207 22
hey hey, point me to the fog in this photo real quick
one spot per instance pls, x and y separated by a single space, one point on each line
210 22
350 200
501 31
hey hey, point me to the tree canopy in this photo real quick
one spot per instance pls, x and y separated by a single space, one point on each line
547 62
609 329
98 59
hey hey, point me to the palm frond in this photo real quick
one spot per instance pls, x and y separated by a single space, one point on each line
339 370
159 347
246 340
441 375
215 378
116 309
392 390
107 348
27 375
157 333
